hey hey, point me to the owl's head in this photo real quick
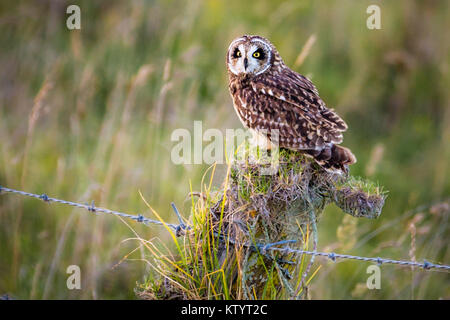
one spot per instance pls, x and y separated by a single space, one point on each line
250 55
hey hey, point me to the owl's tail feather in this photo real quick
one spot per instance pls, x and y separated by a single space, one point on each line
334 158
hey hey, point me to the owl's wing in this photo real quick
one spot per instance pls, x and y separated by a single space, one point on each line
298 91
264 113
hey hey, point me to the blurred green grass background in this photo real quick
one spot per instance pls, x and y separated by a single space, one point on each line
87 115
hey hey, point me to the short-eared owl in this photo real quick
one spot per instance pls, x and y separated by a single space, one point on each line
269 96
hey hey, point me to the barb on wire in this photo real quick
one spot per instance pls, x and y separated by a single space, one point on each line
182 227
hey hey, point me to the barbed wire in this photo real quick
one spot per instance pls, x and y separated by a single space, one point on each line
263 248
90 208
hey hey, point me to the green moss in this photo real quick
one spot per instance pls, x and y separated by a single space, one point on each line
365 185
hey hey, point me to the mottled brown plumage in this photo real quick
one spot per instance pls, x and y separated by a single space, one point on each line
269 97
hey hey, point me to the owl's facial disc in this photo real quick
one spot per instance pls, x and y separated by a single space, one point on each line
248 56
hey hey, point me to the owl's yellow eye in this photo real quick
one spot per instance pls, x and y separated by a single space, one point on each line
258 54
237 53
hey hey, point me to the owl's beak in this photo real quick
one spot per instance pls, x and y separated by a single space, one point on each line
245 63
